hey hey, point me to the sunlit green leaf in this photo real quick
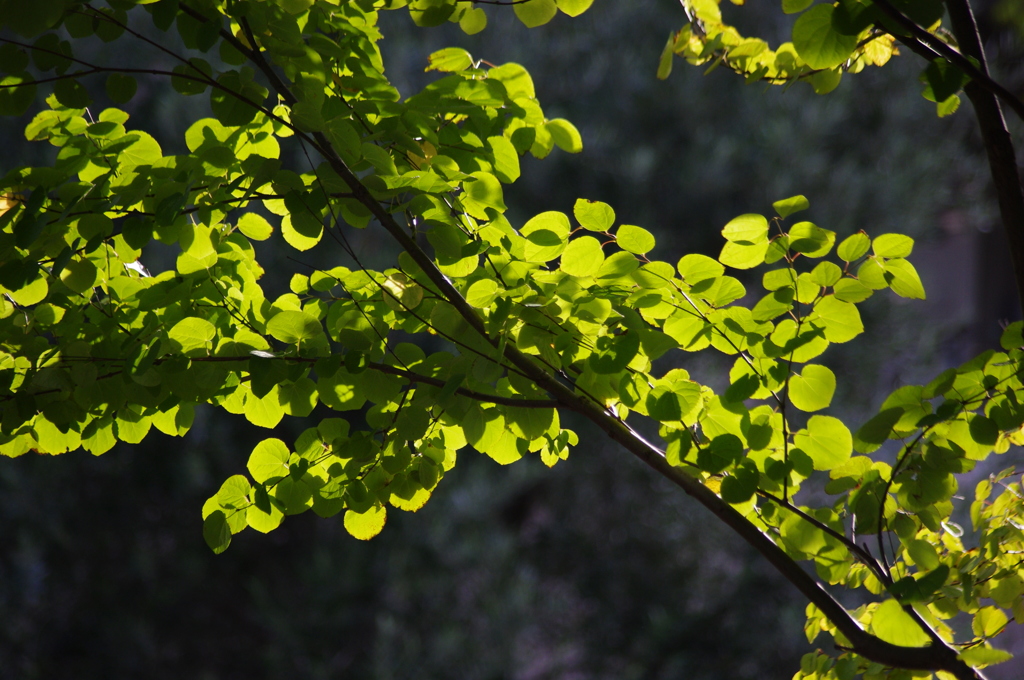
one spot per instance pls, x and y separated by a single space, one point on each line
582 257
793 204
826 440
535 12
812 389
817 41
890 623
634 239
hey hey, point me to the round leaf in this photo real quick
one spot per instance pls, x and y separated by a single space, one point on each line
292 326
574 8
546 236
812 390
826 440
893 245
582 257
747 229
788 206
634 239
816 40
594 215
192 333
366 525
535 12
566 136
121 88
854 247
255 226
890 623
268 460
482 293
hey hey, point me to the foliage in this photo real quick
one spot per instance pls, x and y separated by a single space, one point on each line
564 314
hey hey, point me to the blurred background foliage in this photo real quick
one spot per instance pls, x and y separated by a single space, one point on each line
595 569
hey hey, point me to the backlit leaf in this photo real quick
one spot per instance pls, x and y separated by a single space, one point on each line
594 215
813 388
890 623
535 12
826 440
366 525
582 257
817 41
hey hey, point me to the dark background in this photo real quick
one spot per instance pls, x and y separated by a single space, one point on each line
595 569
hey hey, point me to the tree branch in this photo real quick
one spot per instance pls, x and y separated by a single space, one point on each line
1002 158
938 48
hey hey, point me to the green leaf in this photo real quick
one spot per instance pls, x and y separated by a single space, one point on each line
826 274
594 215
943 80
893 245
739 256
506 160
719 292
793 204
450 60
192 333
816 40
574 8
546 235
810 239
903 279
234 493
216 532
535 13
265 514
747 229
16 98
473 21
812 390
826 440
741 485
582 257
430 12
265 411
1013 336
723 451
71 94
840 320
670 402
988 622
802 536
482 293
634 239
255 226
851 290
666 58
485 189
854 247
566 136
871 273
268 461
981 657
366 525
614 352
121 88
890 623
876 431
292 327
774 304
